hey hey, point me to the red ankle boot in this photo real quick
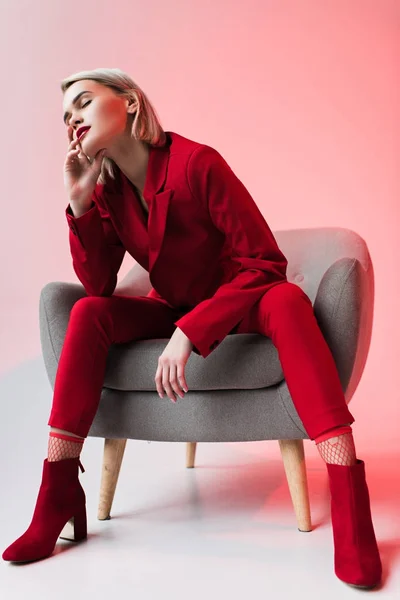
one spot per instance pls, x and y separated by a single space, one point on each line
61 499
357 560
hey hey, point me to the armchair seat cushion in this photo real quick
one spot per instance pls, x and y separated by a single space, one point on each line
244 361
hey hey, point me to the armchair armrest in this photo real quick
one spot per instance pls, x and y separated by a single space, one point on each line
56 301
343 307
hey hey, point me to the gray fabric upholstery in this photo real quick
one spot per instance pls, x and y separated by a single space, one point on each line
239 392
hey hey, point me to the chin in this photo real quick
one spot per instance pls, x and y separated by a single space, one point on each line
91 149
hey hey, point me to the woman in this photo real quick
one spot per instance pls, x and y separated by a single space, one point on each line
179 210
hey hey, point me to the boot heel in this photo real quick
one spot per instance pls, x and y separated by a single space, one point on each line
75 529
80 525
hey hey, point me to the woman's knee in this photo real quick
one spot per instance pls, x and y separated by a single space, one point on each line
90 305
285 296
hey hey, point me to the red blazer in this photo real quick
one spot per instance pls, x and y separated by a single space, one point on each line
207 247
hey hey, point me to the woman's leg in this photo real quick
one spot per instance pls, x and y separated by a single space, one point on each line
95 323
286 315
63 444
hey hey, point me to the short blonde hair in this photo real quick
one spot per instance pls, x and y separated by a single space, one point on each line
146 125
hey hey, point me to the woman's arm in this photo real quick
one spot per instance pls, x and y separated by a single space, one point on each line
96 250
261 264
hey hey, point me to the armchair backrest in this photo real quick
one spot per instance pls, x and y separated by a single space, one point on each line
310 253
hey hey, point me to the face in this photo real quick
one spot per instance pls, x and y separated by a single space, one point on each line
101 109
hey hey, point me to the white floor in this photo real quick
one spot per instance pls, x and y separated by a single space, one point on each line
223 529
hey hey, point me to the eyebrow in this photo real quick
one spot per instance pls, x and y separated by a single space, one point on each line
74 101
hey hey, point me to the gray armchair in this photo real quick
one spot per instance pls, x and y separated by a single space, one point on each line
239 393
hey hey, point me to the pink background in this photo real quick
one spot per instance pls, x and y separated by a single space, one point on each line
301 98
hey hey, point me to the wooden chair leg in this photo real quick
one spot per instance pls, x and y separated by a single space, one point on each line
292 452
112 459
190 454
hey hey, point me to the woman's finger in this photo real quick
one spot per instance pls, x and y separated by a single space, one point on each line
174 381
73 143
157 378
181 377
85 158
72 153
166 384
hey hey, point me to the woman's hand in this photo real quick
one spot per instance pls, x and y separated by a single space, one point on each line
170 375
80 174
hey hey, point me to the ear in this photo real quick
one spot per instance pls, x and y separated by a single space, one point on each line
132 106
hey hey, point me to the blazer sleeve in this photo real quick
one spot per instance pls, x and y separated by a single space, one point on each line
96 250
259 262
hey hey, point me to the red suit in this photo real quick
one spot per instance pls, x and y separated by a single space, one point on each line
216 269
212 261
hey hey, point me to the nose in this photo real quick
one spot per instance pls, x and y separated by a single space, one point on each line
75 125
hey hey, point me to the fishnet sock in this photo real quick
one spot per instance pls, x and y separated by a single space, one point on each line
63 446
337 446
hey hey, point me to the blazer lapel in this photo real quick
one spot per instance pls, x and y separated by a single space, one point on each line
124 205
157 199
125 211
158 211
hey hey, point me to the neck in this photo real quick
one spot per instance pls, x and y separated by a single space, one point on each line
132 157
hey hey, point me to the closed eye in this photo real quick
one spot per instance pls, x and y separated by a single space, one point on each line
83 106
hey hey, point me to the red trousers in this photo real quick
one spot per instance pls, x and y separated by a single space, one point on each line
284 313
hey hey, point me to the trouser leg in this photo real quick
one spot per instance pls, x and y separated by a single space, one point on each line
95 324
285 314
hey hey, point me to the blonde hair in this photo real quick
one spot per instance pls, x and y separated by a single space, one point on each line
146 125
